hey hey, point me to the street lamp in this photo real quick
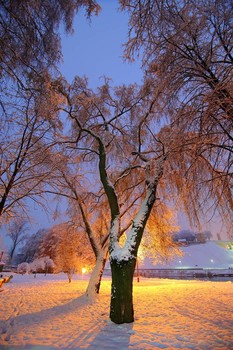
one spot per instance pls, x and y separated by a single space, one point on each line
137 269
84 270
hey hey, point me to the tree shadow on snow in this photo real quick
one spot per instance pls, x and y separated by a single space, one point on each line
19 322
98 332
112 336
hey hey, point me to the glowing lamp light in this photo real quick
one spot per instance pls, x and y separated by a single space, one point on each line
84 270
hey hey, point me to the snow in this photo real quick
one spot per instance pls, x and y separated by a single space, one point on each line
47 312
96 272
211 255
124 253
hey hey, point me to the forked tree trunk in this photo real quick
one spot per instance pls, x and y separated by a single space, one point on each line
121 308
123 260
97 285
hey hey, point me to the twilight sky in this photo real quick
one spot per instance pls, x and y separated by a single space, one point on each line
95 49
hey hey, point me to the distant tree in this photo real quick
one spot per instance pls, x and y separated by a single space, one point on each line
17 232
219 237
65 244
71 252
48 243
1 245
200 237
158 240
31 249
188 235
3 255
208 235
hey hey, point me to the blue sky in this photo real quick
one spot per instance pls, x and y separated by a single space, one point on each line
96 48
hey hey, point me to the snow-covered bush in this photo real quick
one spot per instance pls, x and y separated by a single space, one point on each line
37 265
44 264
23 268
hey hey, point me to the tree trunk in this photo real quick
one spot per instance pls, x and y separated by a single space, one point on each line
12 253
121 309
93 287
69 275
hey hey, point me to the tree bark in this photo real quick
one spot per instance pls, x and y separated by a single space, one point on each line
123 260
121 308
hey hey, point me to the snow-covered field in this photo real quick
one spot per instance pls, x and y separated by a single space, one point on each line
47 312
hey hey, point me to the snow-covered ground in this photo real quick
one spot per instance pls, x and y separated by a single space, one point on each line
47 312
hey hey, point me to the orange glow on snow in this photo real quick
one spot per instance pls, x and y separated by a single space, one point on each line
171 314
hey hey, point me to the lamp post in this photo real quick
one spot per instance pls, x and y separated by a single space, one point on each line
138 280
1 262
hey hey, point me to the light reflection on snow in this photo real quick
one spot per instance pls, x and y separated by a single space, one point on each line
174 314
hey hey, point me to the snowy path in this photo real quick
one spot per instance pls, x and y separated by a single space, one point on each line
49 313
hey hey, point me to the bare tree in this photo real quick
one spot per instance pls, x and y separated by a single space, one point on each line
26 140
71 252
32 246
31 48
86 207
92 212
116 130
127 153
17 232
187 44
30 40
187 53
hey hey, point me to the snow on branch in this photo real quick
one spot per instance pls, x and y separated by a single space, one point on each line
132 243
